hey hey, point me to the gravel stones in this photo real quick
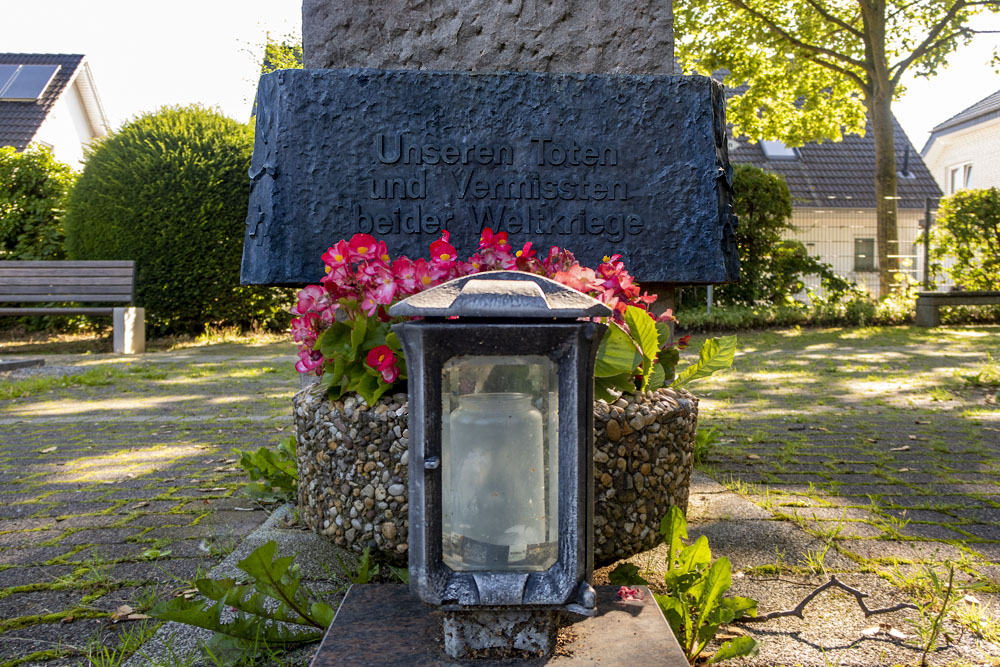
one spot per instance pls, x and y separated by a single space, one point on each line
353 476
352 470
643 458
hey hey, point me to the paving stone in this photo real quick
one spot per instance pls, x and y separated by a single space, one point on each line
908 550
99 536
930 531
30 555
983 531
28 538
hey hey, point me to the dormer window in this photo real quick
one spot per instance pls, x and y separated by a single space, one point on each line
777 150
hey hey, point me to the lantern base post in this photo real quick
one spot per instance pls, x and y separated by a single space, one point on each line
500 633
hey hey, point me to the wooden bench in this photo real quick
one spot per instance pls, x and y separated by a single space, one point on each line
928 304
25 282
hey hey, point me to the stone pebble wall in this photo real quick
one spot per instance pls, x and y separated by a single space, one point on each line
607 37
353 469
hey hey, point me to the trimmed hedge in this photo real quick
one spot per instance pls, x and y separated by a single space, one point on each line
170 190
33 189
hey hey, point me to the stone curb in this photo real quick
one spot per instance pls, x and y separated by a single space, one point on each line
177 643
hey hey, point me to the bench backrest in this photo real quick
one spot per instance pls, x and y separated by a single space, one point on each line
42 281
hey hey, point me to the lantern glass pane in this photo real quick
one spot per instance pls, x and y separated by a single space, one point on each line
499 459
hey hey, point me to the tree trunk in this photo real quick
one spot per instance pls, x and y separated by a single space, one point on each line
878 100
887 234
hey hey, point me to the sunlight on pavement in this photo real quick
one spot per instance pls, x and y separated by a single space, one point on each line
62 407
123 465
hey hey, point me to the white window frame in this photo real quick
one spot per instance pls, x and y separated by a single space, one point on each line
959 177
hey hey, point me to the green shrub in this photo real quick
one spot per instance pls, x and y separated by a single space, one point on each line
968 230
33 188
169 191
771 268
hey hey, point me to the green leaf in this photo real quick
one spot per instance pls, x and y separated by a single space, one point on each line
657 378
739 647
626 574
716 355
717 581
358 333
621 383
674 611
643 330
673 528
741 606
696 556
617 353
663 331
335 342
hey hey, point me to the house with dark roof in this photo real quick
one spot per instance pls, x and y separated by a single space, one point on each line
50 100
833 197
964 151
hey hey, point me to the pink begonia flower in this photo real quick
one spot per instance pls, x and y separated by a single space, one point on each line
383 360
362 247
309 361
442 252
304 329
369 305
382 253
627 593
384 286
337 255
405 274
425 277
312 298
578 277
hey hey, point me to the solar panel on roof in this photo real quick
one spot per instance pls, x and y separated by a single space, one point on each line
28 83
6 74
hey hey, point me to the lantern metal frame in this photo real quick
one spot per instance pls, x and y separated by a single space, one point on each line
504 313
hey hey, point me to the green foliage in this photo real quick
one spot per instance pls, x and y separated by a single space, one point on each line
641 359
286 54
345 346
716 355
274 473
626 574
771 268
695 606
811 65
363 572
704 443
169 191
274 610
809 70
33 189
968 230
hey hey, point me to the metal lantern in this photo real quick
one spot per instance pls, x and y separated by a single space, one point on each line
501 444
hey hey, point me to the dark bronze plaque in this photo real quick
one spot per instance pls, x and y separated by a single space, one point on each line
598 164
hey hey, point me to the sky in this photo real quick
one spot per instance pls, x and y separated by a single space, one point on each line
145 55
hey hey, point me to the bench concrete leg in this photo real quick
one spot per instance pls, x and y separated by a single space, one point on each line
130 330
927 315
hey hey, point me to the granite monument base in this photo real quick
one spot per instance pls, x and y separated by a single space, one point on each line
383 625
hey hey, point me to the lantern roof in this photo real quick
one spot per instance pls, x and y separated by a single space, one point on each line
501 294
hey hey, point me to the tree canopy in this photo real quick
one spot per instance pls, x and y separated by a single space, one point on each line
810 70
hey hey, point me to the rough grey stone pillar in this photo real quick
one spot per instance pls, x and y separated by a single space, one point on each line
588 36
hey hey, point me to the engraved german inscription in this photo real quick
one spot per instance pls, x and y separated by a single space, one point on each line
541 185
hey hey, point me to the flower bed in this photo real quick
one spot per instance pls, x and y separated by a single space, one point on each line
352 461
352 426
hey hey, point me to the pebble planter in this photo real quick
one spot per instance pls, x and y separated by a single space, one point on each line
353 476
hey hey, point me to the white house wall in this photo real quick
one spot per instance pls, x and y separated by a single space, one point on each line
67 129
979 145
829 234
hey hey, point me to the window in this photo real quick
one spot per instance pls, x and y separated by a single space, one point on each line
959 177
864 255
777 150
